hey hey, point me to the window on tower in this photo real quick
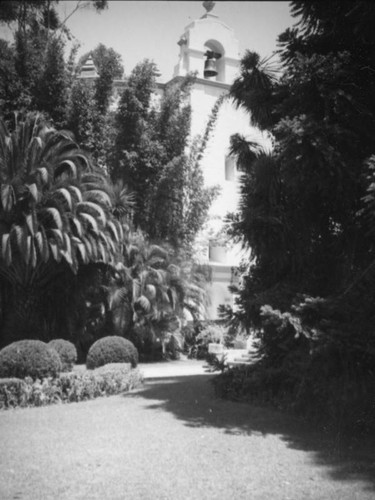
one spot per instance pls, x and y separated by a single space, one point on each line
230 168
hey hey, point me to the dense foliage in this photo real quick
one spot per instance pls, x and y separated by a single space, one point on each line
109 67
69 387
72 200
307 210
150 156
29 358
34 76
64 234
200 334
89 114
112 349
67 352
56 220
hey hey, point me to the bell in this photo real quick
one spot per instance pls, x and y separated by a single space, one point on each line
210 68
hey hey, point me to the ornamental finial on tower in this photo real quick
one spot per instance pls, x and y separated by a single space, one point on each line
208 5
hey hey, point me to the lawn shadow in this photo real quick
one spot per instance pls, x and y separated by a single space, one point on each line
192 400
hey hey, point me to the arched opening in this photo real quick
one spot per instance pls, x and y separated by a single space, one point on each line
216 50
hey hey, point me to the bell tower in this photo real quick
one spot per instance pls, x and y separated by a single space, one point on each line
208 47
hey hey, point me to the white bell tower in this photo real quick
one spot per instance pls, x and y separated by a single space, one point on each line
209 44
208 33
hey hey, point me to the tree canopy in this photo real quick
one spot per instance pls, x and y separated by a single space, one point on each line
300 203
77 178
34 75
306 208
150 155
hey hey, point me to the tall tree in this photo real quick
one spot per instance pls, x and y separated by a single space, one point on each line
35 60
321 114
10 86
90 117
109 65
21 14
307 209
81 114
151 157
52 91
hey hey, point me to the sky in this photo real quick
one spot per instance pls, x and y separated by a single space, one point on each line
151 29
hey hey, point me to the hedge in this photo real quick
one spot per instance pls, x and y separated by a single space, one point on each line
67 352
69 387
29 358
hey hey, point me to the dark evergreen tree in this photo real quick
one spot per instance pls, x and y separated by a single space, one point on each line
307 210
81 115
52 91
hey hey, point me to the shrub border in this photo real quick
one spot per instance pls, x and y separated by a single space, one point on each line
69 387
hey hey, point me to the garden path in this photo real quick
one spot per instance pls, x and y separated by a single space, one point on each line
174 440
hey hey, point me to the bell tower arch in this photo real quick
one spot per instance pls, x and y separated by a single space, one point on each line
203 39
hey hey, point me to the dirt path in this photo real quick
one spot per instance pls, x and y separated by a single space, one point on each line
173 440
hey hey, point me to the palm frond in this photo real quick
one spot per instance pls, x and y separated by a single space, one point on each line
245 151
90 222
66 196
94 209
54 216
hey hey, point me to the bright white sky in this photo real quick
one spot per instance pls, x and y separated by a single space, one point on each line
151 29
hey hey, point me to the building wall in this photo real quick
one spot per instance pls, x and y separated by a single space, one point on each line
210 33
216 159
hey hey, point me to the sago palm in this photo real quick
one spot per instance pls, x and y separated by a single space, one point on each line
55 215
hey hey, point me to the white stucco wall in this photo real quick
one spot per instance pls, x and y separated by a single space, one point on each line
230 121
210 33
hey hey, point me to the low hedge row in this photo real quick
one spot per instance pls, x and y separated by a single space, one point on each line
69 387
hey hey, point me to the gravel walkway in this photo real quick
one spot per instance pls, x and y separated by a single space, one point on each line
173 440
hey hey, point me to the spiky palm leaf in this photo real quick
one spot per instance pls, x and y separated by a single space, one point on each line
252 90
53 206
244 151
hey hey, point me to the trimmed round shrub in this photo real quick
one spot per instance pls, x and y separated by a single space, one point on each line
112 349
29 358
67 352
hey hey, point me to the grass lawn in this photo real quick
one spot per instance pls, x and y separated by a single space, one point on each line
173 440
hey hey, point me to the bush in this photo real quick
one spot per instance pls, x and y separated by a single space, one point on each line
29 358
205 333
12 392
106 380
67 352
112 349
69 387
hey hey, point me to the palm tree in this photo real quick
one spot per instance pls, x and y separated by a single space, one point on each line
253 89
149 293
56 215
